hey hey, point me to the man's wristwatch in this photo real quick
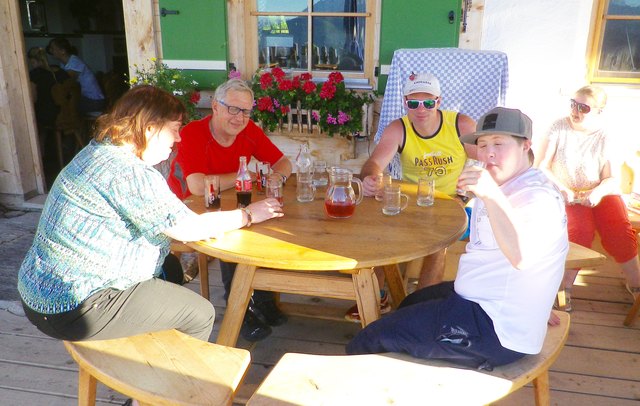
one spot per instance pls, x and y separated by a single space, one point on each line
249 217
284 178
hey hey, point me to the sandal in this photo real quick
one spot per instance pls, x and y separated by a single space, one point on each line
635 291
567 298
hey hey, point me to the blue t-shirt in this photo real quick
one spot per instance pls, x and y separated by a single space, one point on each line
101 227
89 87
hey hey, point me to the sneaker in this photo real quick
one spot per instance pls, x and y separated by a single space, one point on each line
269 313
253 329
353 315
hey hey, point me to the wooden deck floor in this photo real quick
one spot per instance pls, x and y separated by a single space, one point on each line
600 364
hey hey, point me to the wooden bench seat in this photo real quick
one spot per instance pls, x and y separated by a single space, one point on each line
161 368
398 379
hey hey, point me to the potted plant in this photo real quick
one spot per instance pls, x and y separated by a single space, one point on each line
172 80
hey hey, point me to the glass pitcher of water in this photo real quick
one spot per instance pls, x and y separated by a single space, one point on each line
341 200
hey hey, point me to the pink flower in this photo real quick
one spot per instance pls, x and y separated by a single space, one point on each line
343 117
235 74
331 119
315 115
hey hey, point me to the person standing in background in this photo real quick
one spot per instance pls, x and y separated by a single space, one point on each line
92 99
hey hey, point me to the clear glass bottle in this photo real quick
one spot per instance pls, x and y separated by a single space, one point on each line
304 163
243 184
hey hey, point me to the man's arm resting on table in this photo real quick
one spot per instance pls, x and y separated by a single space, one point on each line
283 167
195 182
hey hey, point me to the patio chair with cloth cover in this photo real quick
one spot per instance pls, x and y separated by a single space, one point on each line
472 83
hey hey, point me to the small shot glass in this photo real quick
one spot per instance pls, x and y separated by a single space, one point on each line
465 195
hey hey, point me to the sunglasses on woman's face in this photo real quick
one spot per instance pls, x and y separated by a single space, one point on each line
428 104
581 107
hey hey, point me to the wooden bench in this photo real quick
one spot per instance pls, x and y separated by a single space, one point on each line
383 379
161 368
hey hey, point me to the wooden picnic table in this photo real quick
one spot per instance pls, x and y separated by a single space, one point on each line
305 252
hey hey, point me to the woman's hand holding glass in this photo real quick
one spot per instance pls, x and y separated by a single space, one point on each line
264 210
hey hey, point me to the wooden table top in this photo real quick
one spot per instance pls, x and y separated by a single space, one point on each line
307 239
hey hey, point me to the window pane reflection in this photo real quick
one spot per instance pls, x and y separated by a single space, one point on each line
292 6
338 43
281 41
339 6
621 46
624 8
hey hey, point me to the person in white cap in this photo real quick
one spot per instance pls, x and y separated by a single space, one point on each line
497 309
427 140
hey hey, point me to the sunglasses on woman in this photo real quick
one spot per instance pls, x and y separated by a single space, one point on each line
581 107
428 104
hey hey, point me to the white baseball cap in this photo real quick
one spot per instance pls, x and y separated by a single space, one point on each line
422 83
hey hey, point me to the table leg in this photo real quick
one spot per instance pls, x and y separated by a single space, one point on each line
241 291
395 283
365 284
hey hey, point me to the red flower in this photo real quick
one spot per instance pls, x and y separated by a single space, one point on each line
309 87
195 97
284 109
285 85
278 73
265 104
296 82
265 81
336 77
328 90
305 76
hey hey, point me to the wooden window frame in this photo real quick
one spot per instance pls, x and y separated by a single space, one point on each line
251 40
594 73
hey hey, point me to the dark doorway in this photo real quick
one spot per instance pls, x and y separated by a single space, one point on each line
95 29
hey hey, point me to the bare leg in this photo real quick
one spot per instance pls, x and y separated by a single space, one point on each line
631 270
569 278
432 269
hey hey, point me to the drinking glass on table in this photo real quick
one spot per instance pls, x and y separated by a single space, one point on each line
320 177
426 191
275 188
393 200
383 179
212 192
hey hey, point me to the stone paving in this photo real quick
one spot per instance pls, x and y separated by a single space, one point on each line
17 228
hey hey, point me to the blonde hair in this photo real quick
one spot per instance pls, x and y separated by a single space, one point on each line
596 93
40 55
134 112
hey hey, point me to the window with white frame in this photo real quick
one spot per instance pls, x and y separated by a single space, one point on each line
317 36
615 55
